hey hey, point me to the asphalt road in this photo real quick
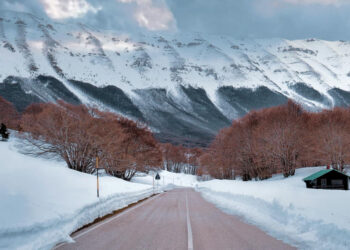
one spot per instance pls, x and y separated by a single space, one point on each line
178 219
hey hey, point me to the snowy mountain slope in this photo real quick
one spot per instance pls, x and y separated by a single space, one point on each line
182 85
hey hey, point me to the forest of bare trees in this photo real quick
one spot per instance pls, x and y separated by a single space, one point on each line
279 140
179 159
256 146
78 134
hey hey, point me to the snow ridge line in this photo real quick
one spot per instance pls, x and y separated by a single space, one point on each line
189 228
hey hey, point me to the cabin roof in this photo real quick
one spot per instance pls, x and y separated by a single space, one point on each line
321 173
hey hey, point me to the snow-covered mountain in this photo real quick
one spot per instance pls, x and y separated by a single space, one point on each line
185 86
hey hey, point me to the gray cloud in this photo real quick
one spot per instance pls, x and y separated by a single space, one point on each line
20 5
130 15
291 19
320 2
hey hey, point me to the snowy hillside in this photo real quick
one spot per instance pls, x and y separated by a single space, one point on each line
185 86
307 218
43 201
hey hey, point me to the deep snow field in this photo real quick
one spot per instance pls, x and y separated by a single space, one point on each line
42 201
284 208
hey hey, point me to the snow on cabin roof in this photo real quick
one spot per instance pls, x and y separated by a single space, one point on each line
320 173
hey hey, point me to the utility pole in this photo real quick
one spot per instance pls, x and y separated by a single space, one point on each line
153 182
97 180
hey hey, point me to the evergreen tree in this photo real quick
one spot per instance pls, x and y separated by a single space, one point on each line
3 132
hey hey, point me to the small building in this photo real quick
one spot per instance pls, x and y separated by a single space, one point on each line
328 179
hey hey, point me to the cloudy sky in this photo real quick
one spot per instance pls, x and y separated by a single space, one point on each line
291 19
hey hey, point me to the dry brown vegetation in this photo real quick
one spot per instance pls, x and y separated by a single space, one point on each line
279 140
264 142
179 159
8 114
78 134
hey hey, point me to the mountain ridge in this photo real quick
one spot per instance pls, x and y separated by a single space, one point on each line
184 86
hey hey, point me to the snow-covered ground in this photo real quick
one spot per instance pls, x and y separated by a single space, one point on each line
42 201
306 218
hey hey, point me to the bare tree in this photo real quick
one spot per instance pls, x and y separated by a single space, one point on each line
258 145
66 131
131 149
281 136
8 114
330 140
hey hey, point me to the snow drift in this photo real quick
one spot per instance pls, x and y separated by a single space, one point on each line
306 218
42 201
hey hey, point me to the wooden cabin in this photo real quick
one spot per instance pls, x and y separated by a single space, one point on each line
328 179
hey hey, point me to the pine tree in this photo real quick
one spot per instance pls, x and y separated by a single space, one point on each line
4 133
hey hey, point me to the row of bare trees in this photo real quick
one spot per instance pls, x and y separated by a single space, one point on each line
78 134
265 142
179 159
279 140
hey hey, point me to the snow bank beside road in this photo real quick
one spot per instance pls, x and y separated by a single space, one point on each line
42 201
307 218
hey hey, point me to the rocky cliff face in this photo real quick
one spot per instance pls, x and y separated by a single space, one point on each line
186 87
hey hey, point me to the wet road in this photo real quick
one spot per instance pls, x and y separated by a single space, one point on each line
178 219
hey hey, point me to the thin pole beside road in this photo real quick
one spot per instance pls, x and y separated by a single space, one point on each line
97 180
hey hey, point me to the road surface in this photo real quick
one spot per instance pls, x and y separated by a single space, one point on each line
178 219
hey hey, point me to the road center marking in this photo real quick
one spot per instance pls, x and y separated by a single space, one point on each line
189 228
